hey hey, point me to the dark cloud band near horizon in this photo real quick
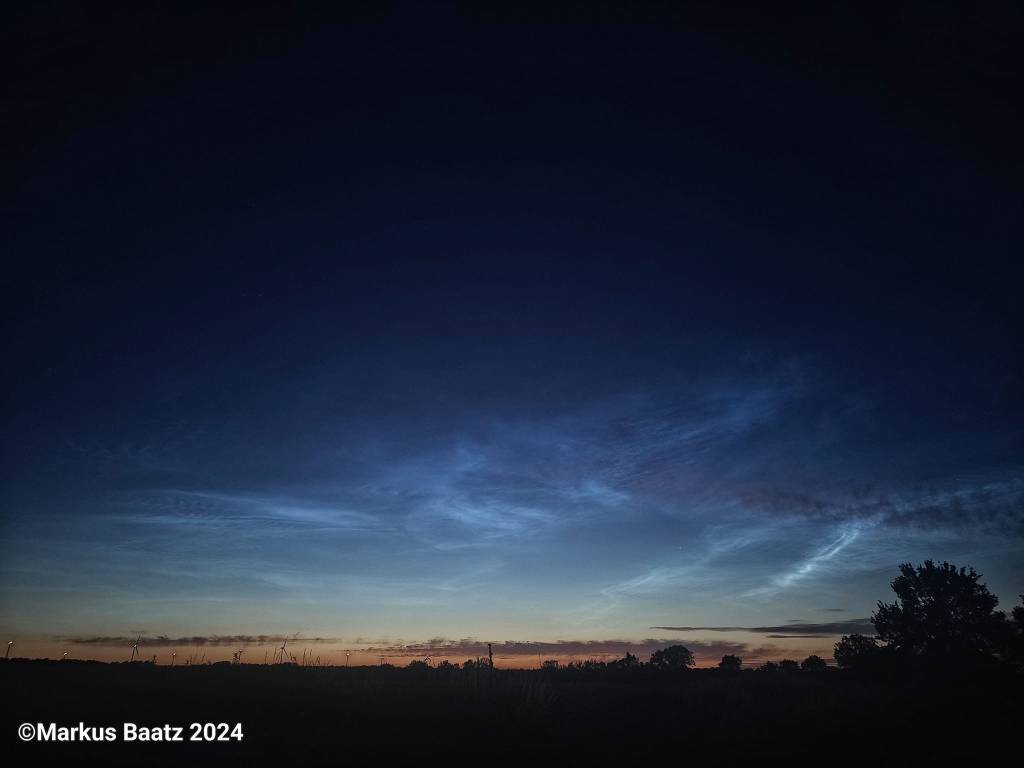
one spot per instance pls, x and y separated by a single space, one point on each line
794 629
164 640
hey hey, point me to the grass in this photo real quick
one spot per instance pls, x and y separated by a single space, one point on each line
293 713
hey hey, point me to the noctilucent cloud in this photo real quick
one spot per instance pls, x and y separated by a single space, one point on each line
660 343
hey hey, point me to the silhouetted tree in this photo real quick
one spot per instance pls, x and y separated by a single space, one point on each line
730 663
813 664
1014 651
629 661
941 612
788 665
673 657
550 664
855 651
769 666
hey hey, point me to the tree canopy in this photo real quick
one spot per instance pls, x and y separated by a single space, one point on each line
730 662
941 611
673 657
813 663
855 651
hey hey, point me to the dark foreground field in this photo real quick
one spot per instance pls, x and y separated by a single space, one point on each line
303 713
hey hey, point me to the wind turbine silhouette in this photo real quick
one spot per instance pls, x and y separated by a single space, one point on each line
135 648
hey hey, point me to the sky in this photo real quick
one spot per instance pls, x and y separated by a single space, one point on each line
577 331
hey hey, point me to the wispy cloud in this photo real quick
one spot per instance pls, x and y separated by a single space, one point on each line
716 542
212 509
587 517
820 558
992 505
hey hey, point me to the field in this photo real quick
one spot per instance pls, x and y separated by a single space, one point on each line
291 713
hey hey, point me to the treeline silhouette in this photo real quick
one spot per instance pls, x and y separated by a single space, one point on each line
943 617
939 682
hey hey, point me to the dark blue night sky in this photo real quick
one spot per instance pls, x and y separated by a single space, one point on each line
418 324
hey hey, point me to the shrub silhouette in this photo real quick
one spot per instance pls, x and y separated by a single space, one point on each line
1014 645
629 661
855 651
941 612
813 664
730 663
788 665
673 657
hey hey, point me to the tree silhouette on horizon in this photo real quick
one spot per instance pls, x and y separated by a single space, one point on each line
941 611
730 663
813 663
673 657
